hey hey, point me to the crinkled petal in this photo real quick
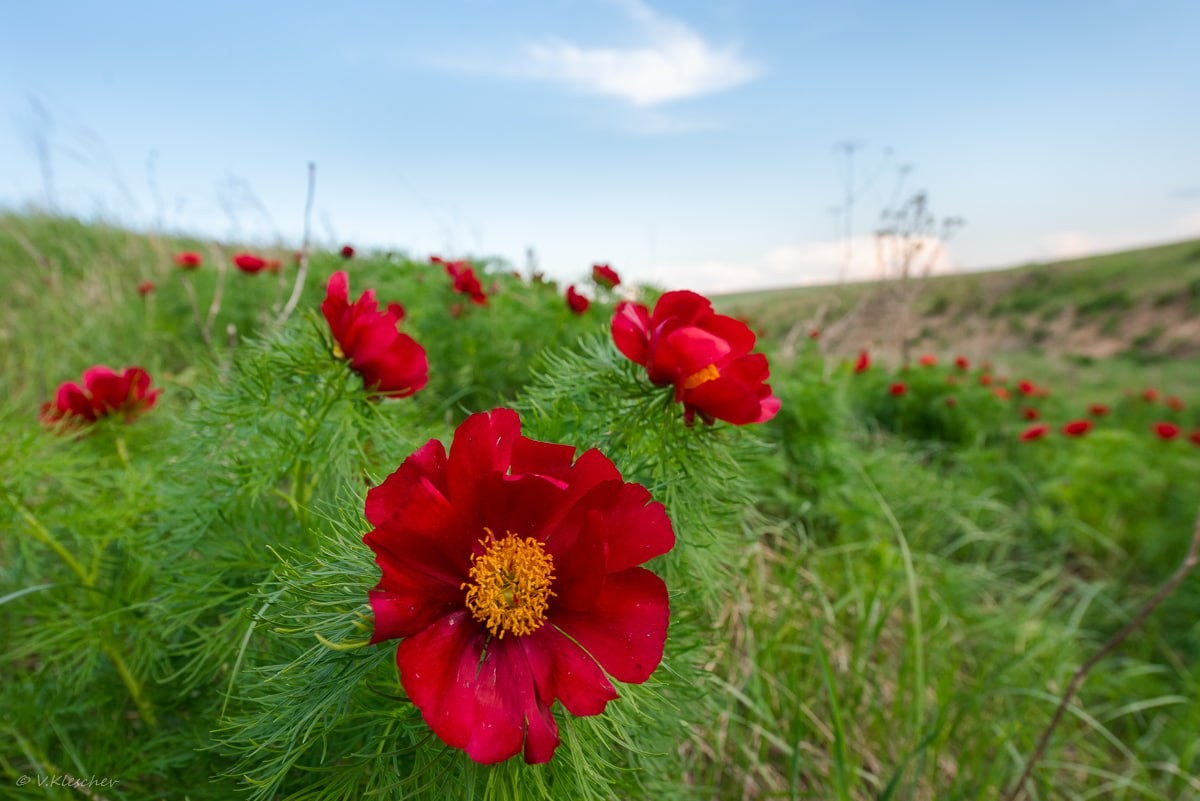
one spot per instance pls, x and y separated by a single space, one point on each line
631 331
626 629
482 445
561 669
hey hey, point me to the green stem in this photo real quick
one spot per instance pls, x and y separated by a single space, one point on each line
44 536
122 452
110 648
131 682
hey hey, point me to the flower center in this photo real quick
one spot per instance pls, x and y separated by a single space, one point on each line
699 377
338 353
509 590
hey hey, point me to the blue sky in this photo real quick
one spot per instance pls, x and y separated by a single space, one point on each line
691 144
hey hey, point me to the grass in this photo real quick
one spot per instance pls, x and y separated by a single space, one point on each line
874 596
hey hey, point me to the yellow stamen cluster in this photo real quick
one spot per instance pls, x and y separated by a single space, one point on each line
509 590
338 353
699 377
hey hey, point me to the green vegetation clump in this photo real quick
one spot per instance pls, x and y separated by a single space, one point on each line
879 593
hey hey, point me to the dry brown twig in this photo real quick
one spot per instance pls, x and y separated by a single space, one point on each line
302 273
1190 560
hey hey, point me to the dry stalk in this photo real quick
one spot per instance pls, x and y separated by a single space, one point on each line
302 273
1185 567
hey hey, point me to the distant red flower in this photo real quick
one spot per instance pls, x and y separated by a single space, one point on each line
188 260
1030 413
604 275
951 379
456 310
985 380
951 401
1001 393
898 389
928 360
1166 431
864 362
390 363
103 393
511 573
347 252
249 263
465 280
1027 388
1174 403
961 363
145 288
273 265
1077 428
1036 431
1194 437
578 303
705 355
1150 395
1098 410
814 333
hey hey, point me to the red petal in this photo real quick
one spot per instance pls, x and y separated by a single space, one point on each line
631 331
562 670
680 308
637 529
626 629
483 445
399 372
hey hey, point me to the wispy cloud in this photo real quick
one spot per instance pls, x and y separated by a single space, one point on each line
674 63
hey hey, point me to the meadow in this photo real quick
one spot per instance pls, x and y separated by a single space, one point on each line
883 591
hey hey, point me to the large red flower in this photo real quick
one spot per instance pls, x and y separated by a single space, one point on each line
511 571
1166 431
103 393
705 355
390 363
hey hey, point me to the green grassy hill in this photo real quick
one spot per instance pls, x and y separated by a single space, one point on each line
880 593
1138 311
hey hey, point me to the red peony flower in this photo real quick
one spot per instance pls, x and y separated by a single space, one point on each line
1194 437
249 263
604 275
814 333
1077 428
347 252
511 571
1036 431
578 303
390 363
705 355
985 380
1174 403
961 363
1001 393
951 401
1027 388
1030 413
1150 395
1098 410
465 280
145 288
188 260
103 393
864 362
898 389
1166 431
928 360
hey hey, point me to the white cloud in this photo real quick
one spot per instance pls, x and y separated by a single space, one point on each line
1069 244
806 264
673 64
